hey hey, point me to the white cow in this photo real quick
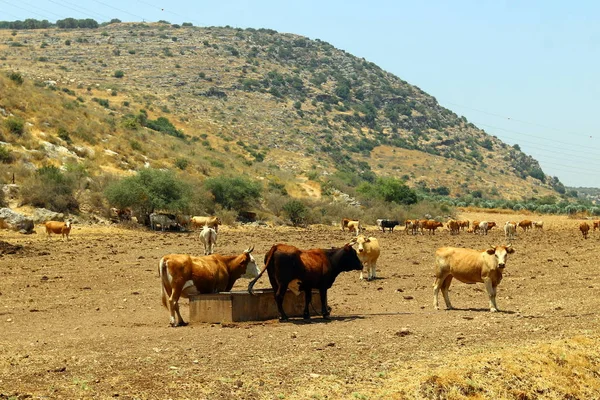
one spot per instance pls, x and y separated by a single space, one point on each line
368 252
510 229
208 237
469 266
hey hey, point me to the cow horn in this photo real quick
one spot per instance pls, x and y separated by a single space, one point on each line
492 246
249 249
509 245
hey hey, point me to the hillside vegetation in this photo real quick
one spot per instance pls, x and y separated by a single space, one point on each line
297 114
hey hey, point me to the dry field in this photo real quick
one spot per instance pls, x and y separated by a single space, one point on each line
83 319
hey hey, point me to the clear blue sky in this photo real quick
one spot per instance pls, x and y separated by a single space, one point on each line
524 71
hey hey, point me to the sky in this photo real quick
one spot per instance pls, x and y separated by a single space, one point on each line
527 72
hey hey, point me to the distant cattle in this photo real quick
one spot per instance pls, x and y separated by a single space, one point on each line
526 224
345 223
354 226
584 227
412 226
464 224
166 222
182 275
454 227
368 252
431 226
469 266
315 268
120 214
485 226
510 230
59 228
475 226
387 223
596 224
208 237
212 222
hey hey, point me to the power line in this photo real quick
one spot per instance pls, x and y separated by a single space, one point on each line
86 11
41 9
118 9
24 9
518 120
183 17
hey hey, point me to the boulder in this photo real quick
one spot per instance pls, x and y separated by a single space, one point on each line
15 221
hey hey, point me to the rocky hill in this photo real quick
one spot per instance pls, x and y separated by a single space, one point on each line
209 101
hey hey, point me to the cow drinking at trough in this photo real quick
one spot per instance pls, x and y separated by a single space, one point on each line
368 252
469 266
208 237
182 275
315 268
59 228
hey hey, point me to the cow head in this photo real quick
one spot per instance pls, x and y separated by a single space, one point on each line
360 241
347 258
252 270
501 253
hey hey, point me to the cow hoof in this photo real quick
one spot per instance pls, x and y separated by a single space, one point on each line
284 319
493 310
326 316
182 323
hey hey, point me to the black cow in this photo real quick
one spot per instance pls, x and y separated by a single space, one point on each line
315 268
387 223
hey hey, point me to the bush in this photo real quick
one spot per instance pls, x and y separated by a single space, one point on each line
15 125
50 188
296 212
150 190
182 163
6 157
389 190
16 78
233 192
119 74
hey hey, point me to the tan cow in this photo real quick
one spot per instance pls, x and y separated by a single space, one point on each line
538 225
584 227
182 275
212 222
475 226
368 252
596 224
345 223
354 226
62 228
431 225
469 266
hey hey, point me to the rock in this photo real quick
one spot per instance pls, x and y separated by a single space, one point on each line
12 220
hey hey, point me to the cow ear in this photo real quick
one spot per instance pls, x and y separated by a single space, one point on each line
491 250
367 240
509 249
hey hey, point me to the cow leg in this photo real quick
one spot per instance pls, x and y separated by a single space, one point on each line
491 290
279 295
436 290
307 300
176 319
324 308
373 271
445 287
361 274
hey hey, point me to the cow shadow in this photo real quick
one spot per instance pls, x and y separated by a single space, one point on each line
316 319
482 309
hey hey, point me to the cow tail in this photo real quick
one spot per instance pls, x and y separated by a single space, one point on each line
162 272
268 257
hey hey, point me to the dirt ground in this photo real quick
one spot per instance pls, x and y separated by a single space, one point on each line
83 318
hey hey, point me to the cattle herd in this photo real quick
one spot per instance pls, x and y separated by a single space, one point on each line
290 268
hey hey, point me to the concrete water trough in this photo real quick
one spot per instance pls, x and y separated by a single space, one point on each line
240 305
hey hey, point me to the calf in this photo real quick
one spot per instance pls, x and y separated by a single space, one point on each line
469 266
62 228
584 227
596 224
182 275
315 268
368 253
208 237
538 224
345 223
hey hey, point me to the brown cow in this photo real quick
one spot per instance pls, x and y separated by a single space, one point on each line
62 228
431 225
596 225
475 225
584 227
454 227
526 224
183 275
315 268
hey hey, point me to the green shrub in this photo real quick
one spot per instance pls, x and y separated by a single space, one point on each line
119 74
15 125
6 156
16 78
182 163
296 211
52 189
238 192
